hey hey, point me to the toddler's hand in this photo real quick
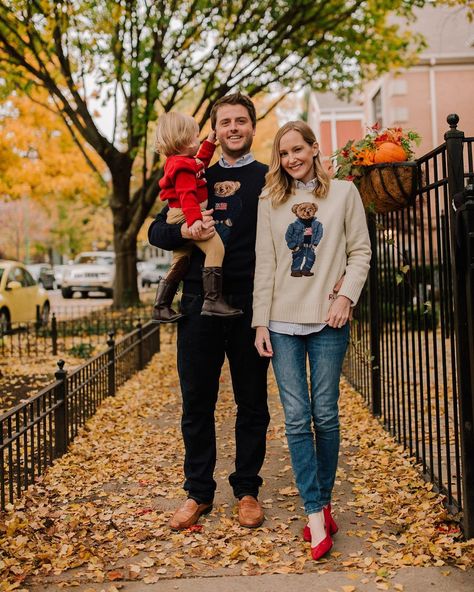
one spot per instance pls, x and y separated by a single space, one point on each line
195 228
212 137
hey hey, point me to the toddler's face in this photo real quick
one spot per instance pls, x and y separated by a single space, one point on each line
193 148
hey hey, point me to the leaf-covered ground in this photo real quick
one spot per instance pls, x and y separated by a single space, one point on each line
98 519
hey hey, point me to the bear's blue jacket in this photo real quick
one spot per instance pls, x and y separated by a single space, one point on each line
294 236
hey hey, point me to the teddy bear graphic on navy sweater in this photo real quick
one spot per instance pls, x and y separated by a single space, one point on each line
302 237
226 210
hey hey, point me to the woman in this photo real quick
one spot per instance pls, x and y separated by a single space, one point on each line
311 231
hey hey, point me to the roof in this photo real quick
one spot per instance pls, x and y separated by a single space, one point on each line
328 101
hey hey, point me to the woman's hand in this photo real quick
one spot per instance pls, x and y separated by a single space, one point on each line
263 343
339 312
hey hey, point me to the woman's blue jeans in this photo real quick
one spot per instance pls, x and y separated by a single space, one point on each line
314 462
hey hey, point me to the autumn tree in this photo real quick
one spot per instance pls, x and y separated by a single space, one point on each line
39 158
143 57
49 196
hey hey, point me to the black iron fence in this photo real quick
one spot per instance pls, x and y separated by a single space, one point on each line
38 431
412 350
78 331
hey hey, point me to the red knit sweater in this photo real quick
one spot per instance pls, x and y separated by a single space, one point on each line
184 184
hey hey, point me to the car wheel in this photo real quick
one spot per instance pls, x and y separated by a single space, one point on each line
4 320
84 294
109 293
66 293
45 314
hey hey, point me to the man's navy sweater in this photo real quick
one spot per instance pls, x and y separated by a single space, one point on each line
233 193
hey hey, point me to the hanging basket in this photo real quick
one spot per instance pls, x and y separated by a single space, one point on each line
388 187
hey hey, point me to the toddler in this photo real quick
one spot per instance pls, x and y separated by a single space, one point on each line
184 186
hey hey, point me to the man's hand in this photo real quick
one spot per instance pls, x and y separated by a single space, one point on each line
339 312
207 230
263 343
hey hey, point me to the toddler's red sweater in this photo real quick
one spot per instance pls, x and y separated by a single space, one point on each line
184 184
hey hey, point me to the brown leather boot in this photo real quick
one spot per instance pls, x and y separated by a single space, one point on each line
214 304
162 311
167 288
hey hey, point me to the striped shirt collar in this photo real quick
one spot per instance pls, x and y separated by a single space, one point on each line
310 185
240 162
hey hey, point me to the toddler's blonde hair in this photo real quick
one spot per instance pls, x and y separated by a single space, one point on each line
174 132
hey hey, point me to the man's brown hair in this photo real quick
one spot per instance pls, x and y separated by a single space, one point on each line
234 99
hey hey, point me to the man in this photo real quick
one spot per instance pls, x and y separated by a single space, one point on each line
234 184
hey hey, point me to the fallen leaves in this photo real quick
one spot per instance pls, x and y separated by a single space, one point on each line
103 508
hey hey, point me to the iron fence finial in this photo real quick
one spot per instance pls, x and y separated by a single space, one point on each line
453 120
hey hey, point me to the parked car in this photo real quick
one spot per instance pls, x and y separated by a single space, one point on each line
20 295
91 271
151 272
58 274
43 274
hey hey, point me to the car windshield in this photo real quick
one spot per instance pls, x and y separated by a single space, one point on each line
94 260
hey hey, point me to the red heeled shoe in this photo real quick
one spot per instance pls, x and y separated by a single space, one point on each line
325 545
333 527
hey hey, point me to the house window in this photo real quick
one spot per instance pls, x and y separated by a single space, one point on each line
377 108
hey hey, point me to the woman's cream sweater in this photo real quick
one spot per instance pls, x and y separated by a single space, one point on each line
343 248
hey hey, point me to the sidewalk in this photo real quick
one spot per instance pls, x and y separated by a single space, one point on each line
98 519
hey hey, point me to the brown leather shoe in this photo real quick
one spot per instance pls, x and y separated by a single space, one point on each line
188 514
250 512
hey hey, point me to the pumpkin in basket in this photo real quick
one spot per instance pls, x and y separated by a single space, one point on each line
378 165
389 152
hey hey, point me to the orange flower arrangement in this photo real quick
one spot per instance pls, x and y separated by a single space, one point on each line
392 144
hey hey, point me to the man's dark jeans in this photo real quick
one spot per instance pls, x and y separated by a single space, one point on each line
203 342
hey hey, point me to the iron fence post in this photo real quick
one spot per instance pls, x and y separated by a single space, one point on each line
60 413
463 245
37 323
462 257
374 317
54 334
454 153
141 357
111 364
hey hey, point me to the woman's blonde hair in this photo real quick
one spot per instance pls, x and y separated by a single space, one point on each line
279 185
174 132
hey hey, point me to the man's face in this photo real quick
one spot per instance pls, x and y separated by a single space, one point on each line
234 130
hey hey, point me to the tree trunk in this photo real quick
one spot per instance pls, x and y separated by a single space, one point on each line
125 239
126 284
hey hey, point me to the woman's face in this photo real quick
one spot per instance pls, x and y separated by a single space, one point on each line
296 156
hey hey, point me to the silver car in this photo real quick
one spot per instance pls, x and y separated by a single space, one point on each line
92 271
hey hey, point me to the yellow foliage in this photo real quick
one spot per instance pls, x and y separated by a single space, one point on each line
39 158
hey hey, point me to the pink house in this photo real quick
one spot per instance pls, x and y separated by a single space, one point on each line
419 97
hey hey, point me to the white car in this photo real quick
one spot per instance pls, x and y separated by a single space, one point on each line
92 271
